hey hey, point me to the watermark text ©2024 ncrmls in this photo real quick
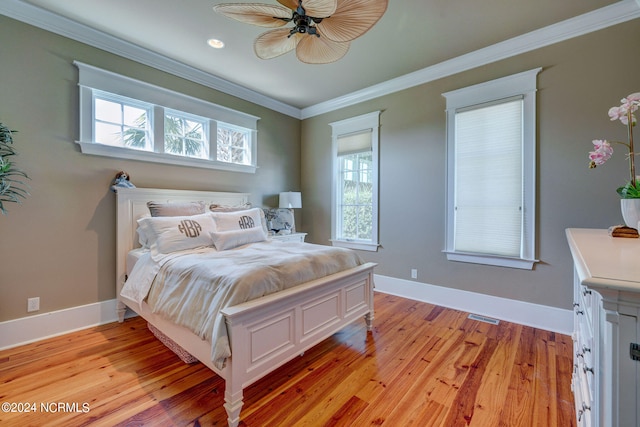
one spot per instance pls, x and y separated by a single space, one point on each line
46 407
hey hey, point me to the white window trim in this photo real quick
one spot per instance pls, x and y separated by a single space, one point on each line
524 84
344 127
91 78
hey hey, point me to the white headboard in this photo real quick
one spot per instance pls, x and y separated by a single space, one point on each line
132 205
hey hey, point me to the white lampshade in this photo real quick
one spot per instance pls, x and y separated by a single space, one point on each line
290 199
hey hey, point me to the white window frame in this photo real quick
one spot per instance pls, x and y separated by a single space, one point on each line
522 84
247 149
92 79
365 122
123 101
203 121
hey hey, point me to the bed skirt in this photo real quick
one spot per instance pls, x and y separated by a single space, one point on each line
183 354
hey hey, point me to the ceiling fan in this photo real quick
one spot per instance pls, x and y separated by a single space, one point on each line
322 31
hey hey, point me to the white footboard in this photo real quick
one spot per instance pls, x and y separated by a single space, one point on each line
268 332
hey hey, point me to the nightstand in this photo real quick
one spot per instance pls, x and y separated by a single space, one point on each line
293 237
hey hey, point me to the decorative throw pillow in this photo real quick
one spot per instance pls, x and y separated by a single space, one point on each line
240 220
228 208
280 219
230 239
176 233
176 208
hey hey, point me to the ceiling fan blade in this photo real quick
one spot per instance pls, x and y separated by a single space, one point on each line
320 50
315 8
275 43
263 15
352 19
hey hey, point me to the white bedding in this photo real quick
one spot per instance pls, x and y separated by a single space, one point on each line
191 287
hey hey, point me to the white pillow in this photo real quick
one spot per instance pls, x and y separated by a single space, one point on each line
142 236
176 233
224 240
176 208
239 220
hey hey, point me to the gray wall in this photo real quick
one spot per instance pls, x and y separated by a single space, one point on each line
581 79
60 243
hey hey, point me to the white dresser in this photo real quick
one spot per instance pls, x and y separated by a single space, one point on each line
606 378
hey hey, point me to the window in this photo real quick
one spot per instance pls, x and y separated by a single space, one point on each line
491 163
157 125
355 188
121 122
234 144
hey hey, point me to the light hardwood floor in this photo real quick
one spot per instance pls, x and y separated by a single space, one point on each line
422 365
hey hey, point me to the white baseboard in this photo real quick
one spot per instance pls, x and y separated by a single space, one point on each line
524 313
40 326
35 328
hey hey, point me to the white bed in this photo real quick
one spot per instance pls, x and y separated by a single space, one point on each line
264 333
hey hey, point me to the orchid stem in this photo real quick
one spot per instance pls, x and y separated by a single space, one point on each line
632 163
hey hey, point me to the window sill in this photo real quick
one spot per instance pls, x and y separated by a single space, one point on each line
524 264
168 159
352 244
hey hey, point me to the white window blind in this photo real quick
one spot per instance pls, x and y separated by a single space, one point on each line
354 143
488 179
491 172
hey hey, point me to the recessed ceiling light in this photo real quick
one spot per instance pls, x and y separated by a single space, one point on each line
215 43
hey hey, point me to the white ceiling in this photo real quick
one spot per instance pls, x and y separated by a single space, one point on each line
413 35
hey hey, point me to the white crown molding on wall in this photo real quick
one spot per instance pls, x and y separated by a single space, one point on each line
60 25
607 16
593 21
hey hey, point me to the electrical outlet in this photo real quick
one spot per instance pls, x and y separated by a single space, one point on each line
33 304
414 273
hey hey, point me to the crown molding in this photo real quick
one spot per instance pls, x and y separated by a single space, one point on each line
60 25
607 16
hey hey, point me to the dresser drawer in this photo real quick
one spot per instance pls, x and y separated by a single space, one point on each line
583 345
586 299
583 398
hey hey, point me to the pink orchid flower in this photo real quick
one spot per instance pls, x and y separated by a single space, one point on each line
629 104
603 152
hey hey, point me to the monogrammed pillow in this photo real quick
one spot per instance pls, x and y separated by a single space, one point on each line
176 233
240 220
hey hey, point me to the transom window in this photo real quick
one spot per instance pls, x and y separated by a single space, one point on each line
185 135
121 122
234 144
158 125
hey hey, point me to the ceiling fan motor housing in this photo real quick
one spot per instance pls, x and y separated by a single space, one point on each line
304 23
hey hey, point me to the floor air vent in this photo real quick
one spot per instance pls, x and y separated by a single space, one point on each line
484 319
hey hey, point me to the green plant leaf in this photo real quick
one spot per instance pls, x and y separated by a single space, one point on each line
629 191
12 187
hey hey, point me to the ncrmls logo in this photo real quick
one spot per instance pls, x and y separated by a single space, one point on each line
190 228
246 222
